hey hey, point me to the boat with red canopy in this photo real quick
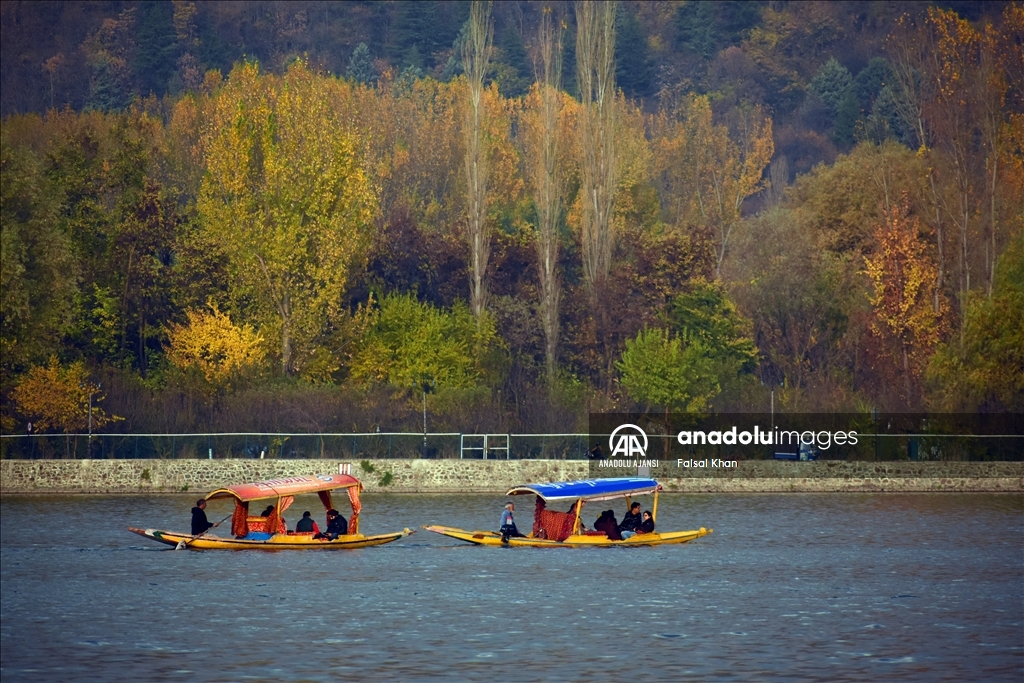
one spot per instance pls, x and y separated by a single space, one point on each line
270 532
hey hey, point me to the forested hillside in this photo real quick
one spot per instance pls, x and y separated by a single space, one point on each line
301 216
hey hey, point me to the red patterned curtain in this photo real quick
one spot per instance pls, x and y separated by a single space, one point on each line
353 498
274 522
239 525
556 526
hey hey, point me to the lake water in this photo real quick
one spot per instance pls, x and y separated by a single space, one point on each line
845 587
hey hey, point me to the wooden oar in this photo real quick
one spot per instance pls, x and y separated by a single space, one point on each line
182 544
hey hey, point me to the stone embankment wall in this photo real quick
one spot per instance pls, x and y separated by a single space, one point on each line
471 476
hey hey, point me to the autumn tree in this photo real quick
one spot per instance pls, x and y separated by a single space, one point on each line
214 346
62 398
288 199
953 115
595 76
476 53
705 171
542 137
952 80
902 274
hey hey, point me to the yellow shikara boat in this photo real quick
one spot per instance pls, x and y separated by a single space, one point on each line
269 532
563 529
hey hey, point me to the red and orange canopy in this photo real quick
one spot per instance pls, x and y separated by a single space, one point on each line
287 486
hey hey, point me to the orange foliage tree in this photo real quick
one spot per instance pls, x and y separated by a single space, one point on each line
58 397
902 275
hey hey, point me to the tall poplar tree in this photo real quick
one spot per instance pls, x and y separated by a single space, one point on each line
595 75
476 52
547 184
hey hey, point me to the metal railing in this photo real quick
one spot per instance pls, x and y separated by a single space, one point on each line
257 445
454 445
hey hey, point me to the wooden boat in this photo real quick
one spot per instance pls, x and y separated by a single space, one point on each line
563 529
257 532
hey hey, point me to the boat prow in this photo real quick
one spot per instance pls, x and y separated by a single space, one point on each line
275 542
476 537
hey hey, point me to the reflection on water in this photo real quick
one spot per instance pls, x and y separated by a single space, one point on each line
789 587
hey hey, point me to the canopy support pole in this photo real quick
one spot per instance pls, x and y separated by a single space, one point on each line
654 509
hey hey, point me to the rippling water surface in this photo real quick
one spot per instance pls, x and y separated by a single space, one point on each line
843 587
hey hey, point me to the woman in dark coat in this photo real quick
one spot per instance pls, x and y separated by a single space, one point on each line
607 523
646 526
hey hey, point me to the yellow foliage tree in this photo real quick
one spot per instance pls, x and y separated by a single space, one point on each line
902 274
214 345
58 397
707 173
287 196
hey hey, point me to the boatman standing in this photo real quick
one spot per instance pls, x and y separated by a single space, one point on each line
199 522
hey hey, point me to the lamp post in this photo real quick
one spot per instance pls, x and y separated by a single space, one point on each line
426 384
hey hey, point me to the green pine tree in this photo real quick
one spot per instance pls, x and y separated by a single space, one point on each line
632 60
360 66
157 49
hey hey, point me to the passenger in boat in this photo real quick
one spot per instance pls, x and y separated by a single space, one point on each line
508 527
306 524
572 511
266 513
606 523
336 526
646 526
631 522
199 521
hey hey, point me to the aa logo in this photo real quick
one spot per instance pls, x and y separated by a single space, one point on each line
628 444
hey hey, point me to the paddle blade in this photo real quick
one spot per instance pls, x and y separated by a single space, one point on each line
180 546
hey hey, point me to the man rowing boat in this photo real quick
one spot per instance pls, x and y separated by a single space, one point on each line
199 522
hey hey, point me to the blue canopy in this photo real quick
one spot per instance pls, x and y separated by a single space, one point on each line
589 489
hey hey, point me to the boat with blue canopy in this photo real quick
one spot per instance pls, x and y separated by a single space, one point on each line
553 529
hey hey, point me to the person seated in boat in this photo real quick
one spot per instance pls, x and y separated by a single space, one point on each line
337 525
607 523
507 527
647 525
199 522
631 522
306 525
266 513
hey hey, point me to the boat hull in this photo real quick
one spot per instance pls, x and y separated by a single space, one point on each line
276 542
493 538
